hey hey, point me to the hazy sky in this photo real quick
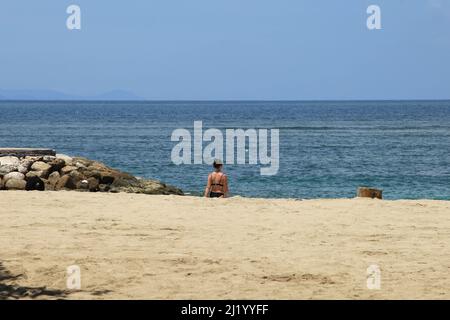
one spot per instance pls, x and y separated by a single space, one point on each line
229 49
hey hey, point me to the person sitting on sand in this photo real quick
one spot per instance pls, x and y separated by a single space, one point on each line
217 186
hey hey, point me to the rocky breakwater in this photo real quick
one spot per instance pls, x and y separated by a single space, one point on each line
61 172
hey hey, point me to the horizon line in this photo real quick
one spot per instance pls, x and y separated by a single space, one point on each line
222 100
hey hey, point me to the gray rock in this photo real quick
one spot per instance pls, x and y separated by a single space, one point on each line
12 161
15 184
83 185
57 164
83 161
88 173
35 184
80 165
14 175
22 169
48 158
76 176
65 182
93 184
34 158
67 169
98 166
48 185
40 166
7 168
103 187
24 165
39 174
66 158
53 179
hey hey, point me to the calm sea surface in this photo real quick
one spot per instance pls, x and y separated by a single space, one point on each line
327 149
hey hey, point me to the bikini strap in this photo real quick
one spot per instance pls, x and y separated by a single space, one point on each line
219 182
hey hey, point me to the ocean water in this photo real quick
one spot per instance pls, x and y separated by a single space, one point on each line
327 149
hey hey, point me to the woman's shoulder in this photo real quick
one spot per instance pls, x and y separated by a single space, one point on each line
217 174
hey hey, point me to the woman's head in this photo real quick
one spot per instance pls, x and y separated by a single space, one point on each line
218 164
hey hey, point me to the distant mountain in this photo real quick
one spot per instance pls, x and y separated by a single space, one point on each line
56 95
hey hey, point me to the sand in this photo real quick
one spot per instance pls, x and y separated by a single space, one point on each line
168 247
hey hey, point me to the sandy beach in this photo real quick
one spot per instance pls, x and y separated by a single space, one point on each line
132 246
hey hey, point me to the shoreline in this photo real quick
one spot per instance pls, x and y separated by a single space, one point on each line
134 246
189 194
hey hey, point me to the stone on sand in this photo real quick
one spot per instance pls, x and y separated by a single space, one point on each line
14 175
364 192
15 184
53 178
65 182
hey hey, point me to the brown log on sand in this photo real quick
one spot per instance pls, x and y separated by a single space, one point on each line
364 192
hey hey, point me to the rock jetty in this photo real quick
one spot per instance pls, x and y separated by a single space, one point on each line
23 169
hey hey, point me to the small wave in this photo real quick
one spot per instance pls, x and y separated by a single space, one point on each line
366 128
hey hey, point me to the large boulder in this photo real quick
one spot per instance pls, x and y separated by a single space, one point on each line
15 184
8 160
93 184
110 176
47 185
34 158
104 174
56 164
65 182
95 165
39 174
35 183
65 158
67 169
76 176
91 173
40 166
24 166
83 185
52 180
7 168
48 158
104 188
82 161
14 175
79 165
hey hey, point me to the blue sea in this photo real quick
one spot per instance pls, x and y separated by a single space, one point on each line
327 149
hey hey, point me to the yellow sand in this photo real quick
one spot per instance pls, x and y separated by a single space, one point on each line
169 247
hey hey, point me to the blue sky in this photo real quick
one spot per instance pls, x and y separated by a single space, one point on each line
229 49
